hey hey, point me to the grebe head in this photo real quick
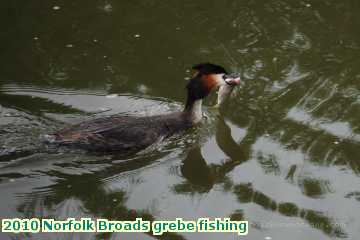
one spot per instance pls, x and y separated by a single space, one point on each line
208 76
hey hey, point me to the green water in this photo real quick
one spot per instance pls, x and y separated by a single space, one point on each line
283 152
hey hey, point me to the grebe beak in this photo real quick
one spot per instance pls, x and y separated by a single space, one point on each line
232 79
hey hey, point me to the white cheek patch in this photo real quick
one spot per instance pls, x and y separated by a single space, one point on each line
219 79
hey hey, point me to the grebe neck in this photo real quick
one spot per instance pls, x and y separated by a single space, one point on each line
193 110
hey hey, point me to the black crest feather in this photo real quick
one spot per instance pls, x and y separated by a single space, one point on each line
209 68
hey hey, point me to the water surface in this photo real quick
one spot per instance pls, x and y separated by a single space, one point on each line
282 153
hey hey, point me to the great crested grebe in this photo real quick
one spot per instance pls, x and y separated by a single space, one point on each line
125 134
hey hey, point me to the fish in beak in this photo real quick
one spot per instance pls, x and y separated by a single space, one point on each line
231 81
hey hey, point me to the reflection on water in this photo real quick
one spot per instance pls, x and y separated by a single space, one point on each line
283 152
